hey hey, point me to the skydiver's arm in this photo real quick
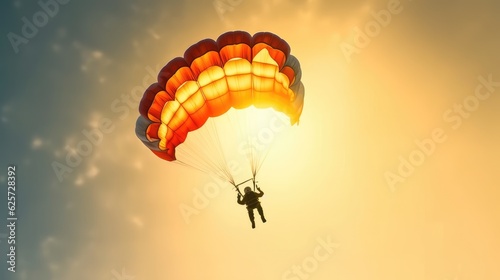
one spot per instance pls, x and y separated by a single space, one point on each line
261 193
240 201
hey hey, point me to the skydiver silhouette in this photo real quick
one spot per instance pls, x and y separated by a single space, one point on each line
251 199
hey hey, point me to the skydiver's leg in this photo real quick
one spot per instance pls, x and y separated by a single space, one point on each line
261 213
251 216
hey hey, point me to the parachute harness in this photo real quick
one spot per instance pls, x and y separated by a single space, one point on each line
236 186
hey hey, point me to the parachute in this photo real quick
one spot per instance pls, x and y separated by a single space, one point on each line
237 71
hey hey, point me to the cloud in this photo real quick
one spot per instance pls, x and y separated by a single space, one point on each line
92 171
137 221
92 61
47 246
36 143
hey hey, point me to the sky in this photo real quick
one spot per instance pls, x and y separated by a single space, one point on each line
392 172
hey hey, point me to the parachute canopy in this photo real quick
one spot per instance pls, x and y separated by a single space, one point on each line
235 71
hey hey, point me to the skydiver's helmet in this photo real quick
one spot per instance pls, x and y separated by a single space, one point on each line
248 189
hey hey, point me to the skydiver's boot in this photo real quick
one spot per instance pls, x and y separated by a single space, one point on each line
263 219
253 223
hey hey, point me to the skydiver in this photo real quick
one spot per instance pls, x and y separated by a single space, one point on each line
251 199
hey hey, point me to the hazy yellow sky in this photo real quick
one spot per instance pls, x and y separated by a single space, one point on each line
391 174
